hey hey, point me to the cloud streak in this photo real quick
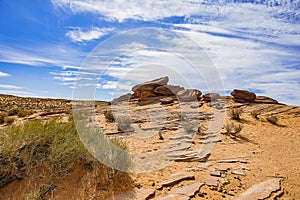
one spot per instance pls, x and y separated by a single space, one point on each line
81 35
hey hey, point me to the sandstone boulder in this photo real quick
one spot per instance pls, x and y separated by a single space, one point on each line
243 96
146 89
168 90
123 98
211 97
188 95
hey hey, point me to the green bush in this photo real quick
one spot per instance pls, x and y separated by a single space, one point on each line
232 129
13 112
50 145
236 113
109 116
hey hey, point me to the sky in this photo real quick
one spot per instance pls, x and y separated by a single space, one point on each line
62 48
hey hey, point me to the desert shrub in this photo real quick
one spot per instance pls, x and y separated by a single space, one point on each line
273 120
255 114
109 116
236 113
50 145
123 122
2 117
24 113
232 129
9 120
13 112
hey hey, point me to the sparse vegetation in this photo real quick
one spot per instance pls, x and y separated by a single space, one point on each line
236 113
13 112
255 114
109 116
272 119
25 113
2 117
123 122
9 120
232 129
52 146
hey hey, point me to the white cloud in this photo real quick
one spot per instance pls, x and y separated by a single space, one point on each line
80 35
3 74
12 87
56 55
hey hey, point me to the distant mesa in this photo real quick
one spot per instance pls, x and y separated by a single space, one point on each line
158 90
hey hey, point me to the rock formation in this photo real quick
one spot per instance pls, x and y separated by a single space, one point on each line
210 97
189 95
243 96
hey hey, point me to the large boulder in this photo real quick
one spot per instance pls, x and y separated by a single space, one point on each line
189 95
243 96
210 97
168 90
123 98
146 89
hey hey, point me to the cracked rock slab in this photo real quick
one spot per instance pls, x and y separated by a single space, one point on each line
262 190
175 178
189 190
174 197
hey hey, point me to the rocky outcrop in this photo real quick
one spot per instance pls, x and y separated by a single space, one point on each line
168 90
210 97
263 99
243 96
189 95
123 98
146 89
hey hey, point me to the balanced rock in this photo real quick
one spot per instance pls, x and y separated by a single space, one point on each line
242 96
188 95
146 89
211 97
168 89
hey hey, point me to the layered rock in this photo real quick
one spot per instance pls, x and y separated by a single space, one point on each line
188 95
243 96
146 89
168 90
211 97
263 99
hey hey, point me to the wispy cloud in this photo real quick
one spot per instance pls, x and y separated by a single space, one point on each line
57 55
85 35
3 74
13 87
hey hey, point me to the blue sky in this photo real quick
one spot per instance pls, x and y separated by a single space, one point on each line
252 45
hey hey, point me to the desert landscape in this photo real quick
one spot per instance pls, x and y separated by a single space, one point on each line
181 144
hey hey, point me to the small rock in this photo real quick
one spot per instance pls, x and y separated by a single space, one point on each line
212 181
175 178
236 172
215 173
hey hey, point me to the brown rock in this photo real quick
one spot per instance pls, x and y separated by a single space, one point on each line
189 190
175 178
210 97
263 99
212 181
168 89
123 98
174 197
146 89
243 96
137 194
166 100
188 95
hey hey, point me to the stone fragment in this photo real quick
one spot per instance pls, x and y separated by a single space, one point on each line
215 173
175 178
212 181
174 197
189 190
236 172
228 161
262 190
